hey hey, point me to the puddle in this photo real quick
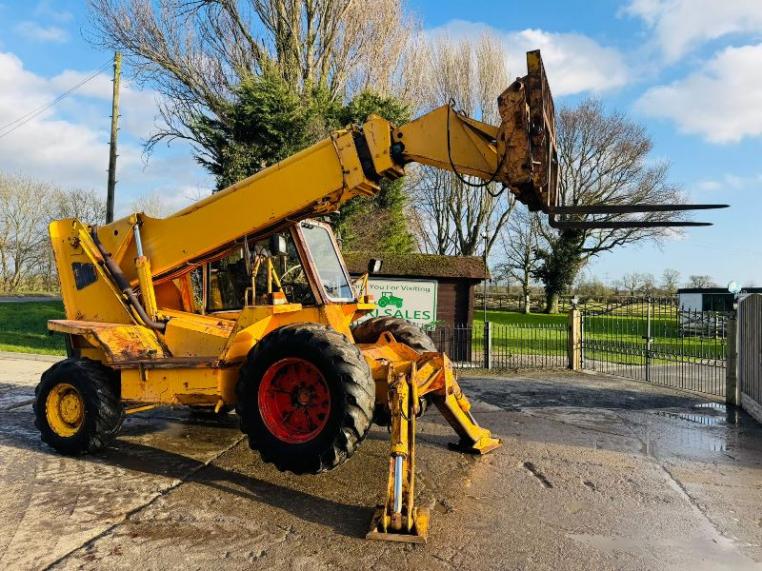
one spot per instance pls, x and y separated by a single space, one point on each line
719 407
705 419
707 414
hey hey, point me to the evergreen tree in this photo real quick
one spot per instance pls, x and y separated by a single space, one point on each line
561 261
377 223
268 121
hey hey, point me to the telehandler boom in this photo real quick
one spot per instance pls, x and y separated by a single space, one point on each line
242 300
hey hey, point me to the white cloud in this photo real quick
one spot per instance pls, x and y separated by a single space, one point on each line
39 33
729 182
575 63
721 102
67 144
682 25
46 9
138 108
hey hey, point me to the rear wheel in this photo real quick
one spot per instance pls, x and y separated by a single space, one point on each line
305 398
403 331
77 406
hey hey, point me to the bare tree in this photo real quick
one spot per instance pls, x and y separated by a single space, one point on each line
197 53
151 204
632 282
23 216
430 219
648 284
592 287
519 247
84 205
26 208
451 216
701 281
670 280
603 158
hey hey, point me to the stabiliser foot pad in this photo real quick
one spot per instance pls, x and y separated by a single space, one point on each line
483 446
419 533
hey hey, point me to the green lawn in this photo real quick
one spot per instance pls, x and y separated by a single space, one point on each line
23 327
609 337
523 334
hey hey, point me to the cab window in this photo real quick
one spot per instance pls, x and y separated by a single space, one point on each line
230 282
327 262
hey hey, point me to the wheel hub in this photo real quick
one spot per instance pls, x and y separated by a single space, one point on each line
65 410
303 397
294 400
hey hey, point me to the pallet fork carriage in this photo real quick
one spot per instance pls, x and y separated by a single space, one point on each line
242 300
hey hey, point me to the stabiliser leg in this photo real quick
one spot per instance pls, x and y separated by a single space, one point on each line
398 519
437 379
456 408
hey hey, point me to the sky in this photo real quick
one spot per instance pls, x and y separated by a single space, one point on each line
690 71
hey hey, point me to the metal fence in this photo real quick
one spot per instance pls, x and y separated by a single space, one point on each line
649 340
504 346
656 342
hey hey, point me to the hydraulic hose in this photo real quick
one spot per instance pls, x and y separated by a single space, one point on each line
121 282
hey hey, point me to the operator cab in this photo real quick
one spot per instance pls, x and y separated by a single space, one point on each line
302 263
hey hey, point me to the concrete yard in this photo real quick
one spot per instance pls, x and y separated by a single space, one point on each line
595 473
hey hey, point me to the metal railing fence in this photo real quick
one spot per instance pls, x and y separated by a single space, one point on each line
659 343
506 346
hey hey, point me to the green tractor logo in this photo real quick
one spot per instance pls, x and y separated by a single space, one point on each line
387 298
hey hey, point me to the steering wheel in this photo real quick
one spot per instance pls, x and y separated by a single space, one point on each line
292 269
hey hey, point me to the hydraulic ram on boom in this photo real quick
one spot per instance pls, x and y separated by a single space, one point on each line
243 301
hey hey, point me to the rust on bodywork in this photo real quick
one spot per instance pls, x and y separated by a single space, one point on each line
120 343
526 139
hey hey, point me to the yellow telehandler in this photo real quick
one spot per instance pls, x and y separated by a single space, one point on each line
243 301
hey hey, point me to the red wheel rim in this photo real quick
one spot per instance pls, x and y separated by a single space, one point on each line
294 400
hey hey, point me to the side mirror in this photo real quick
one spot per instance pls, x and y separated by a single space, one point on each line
278 246
374 265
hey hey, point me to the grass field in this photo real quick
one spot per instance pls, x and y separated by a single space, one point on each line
23 327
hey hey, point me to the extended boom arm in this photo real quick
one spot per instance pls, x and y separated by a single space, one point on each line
318 180
519 154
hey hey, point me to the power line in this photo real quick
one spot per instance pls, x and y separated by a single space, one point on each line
9 128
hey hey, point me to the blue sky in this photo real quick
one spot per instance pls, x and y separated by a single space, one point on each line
690 70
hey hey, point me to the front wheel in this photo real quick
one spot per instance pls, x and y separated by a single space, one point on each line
305 398
77 406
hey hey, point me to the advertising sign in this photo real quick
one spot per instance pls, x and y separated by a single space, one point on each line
412 300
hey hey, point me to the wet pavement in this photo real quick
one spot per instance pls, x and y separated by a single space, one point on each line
596 473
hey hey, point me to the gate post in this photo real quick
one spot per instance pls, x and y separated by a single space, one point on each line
574 348
487 345
732 389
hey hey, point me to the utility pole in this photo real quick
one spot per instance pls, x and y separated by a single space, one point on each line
487 349
485 237
112 144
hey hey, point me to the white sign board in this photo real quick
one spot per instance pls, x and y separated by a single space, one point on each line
412 300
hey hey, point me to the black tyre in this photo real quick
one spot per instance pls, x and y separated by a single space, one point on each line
305 398
403 331
77 406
